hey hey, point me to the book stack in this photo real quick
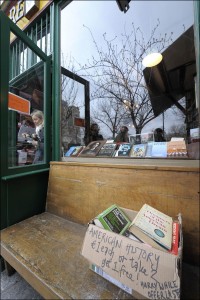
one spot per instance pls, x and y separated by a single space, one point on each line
150 226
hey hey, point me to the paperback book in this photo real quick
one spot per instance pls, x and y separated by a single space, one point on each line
155 224
149 149
159 149
175 238
138 150
113 219
69 152
92 148
77 150
124 149
176 149
107 150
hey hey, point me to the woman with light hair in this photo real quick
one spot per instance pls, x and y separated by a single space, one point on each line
38 136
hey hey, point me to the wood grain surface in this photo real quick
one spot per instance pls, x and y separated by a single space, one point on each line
45 250
79 190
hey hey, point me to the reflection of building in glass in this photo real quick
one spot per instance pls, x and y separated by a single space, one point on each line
71 135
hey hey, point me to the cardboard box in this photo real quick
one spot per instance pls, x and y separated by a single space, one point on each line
142 270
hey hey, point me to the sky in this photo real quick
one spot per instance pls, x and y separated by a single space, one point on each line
105 16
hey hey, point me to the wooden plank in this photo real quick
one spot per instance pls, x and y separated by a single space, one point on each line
181 165
45 250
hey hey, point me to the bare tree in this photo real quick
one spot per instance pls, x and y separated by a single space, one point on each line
176 131
111 114
117 73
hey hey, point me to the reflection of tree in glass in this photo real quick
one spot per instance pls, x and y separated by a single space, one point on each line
117 74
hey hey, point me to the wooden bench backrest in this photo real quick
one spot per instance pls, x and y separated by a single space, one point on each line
80 191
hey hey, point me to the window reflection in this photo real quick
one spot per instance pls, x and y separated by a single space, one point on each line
26 129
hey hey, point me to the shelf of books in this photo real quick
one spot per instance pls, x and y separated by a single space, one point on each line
137 149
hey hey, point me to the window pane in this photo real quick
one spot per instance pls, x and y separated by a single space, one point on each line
26 107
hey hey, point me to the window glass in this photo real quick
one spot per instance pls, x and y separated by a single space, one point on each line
109 50
26 108
72 113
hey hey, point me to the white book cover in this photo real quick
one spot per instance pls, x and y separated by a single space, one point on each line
155 224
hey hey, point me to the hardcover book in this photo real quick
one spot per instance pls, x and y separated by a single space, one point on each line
138 150
113 219
92 148
107 150
155 224
123 150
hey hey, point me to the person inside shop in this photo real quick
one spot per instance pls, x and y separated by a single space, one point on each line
159 135
94 133
37 138
122 136
37 100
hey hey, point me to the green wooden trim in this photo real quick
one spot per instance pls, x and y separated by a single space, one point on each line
5 178
22 35
6 26
56 78
4 78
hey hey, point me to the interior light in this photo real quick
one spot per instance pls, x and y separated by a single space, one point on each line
152 59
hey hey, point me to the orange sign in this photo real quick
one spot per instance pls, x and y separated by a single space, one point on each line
79 122
18 104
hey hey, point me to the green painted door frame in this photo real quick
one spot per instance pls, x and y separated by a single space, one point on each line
23 189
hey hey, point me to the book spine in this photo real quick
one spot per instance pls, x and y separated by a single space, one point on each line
175 238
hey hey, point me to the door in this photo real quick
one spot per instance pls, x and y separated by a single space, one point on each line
25 150
75 110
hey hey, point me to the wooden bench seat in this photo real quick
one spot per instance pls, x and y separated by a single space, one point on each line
45 249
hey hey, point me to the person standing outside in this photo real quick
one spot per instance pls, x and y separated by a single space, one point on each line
122 136
94 133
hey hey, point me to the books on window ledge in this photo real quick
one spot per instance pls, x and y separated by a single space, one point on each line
138 150
176 148
107 150
70 151
159 149
123 150
77 151
92 148
113 219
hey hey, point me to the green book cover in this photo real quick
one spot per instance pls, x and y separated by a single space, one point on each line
113 219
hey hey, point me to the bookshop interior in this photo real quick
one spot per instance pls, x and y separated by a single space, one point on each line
102 116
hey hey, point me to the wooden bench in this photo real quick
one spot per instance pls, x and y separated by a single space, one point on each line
45 249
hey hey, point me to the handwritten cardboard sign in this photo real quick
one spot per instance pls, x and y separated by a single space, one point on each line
150 272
